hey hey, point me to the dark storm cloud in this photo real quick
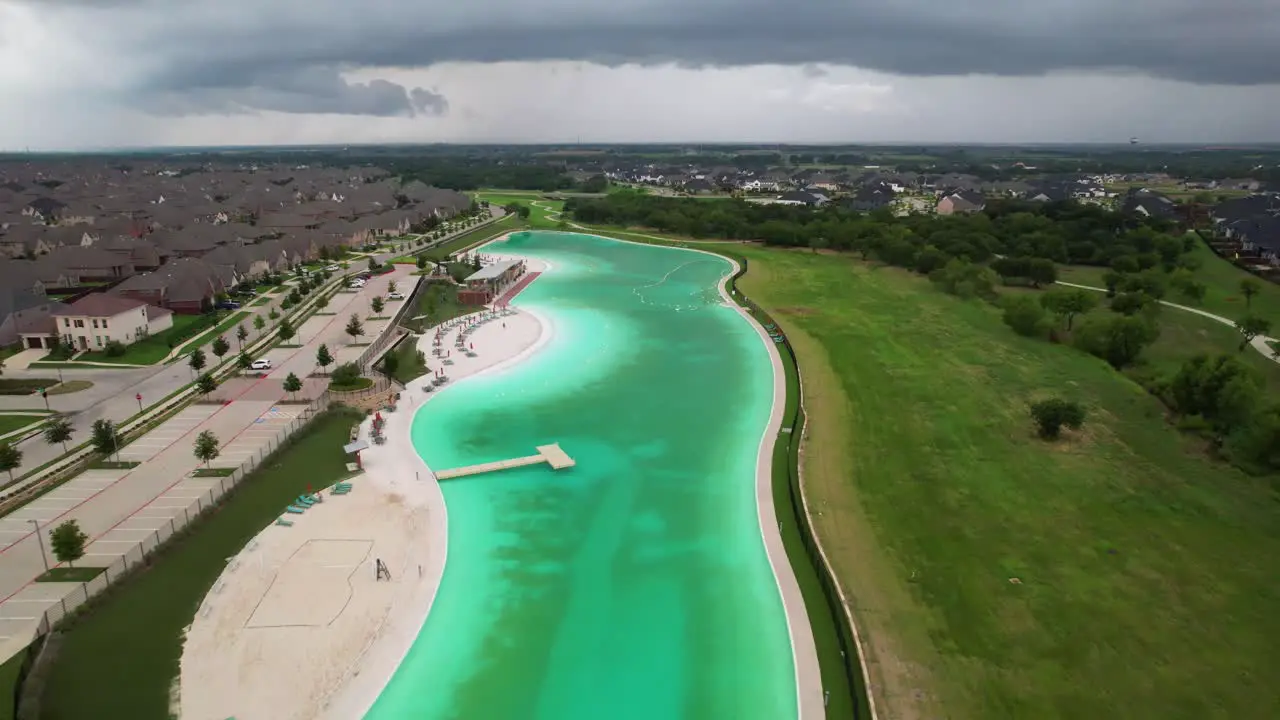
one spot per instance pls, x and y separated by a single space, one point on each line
266 54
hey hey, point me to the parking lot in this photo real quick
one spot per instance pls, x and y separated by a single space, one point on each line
150 445
258 438
17 524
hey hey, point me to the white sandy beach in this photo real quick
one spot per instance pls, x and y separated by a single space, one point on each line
297 626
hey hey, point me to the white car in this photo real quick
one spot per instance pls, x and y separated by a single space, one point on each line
395 296
357 283
263 364
333 268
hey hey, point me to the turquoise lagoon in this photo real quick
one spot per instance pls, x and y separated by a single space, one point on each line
636 584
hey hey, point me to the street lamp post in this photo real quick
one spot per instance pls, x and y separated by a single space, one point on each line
40 540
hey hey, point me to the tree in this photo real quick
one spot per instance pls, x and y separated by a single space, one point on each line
323 358
68 542
292 384
220 347
373 264
1131 303
243 361
322 302
241 335
391 287
377 305
1025 316
421 262
58 430
1051 415
346 374
354 328
1112 280
197 360
104 437
1117 339
1250 327
1066 304
285 332
1042 271
259 323
390 363
273 314
1249 288
10 458
205 384
1220 389
206 447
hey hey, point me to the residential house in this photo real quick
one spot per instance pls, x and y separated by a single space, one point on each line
183 285
91 264
99 318
24 241
23 305
871 198
1149 203
963 201
801 197
43 209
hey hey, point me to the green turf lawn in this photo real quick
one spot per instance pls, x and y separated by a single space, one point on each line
1222 286
10 423
1146 573
541 215
153 348
9 685
119 660
468 239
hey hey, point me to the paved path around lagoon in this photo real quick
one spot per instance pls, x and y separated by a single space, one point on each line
119 509
1260 343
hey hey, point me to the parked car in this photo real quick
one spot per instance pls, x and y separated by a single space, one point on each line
357 283
261 364
228 305
395 296
333 268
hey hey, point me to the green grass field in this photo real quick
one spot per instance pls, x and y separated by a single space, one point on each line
1115 573
541 215
119 660
1222 286
468 239
13 423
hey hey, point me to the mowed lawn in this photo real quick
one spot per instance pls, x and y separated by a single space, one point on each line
120 660
1114 574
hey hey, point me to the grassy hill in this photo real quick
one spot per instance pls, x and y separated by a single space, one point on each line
1116 573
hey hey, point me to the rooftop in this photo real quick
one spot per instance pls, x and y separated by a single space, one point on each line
494 271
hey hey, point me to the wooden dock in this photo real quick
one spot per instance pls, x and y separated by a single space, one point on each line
550 454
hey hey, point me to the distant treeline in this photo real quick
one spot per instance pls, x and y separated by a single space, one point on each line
1064 232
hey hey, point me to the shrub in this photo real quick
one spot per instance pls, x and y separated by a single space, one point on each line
346 374
1025 316
1051 415
113 348
1117 339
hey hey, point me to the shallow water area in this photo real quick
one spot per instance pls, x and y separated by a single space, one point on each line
636 584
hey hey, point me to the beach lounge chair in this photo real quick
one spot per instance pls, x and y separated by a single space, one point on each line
295 510
284 523
303 501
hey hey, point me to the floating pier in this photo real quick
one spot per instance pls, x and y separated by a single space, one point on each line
550 454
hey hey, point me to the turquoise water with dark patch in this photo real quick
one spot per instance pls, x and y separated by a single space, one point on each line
634 585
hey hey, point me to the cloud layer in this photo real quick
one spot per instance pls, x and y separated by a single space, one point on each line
383 58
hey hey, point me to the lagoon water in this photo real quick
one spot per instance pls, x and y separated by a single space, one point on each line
634 585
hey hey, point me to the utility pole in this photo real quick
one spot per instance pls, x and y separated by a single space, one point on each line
40 540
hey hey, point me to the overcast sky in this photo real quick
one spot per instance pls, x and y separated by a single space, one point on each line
127 73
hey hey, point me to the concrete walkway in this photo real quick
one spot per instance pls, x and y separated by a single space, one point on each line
1259 343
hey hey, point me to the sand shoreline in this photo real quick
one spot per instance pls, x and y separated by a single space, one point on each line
385 653
297 626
